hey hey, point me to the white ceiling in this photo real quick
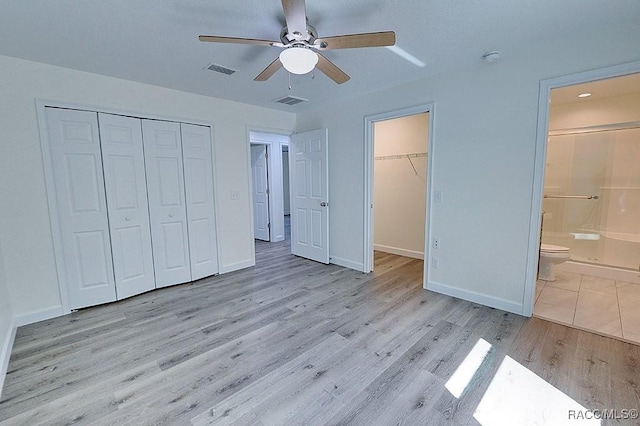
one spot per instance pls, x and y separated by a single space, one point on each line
156 41
599 89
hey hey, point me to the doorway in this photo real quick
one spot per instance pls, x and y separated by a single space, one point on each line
398 179
268 184
585 199
309 203
286 192
260 192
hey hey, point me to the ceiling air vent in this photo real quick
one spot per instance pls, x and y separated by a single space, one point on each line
290 100
220 69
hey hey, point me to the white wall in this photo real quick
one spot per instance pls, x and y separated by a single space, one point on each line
399 191
484 131
24 225
596 112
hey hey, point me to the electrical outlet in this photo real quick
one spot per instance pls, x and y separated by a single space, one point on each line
437 196
436 243
435 262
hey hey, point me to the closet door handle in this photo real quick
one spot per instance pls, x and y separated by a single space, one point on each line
127 218
170 214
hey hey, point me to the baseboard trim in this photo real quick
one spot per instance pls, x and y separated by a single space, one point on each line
248 263
399 251
358 266
5 354
36 316
472 296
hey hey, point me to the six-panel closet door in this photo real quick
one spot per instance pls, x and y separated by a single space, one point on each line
132 204
80 202
126 189
198 176
167 209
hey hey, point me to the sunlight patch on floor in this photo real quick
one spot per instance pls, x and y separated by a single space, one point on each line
517 396
461 378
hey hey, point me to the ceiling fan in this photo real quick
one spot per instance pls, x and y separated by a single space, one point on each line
302 46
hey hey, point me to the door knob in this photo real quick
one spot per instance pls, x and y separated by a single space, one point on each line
127 218
324 204
170 214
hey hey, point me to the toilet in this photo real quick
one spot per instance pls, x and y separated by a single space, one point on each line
550 256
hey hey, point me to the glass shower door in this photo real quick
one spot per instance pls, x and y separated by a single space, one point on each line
604 165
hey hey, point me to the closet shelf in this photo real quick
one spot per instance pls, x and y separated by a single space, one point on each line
401 156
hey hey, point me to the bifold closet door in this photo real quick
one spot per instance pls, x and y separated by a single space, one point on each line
74 145
198 176
165 187
126 189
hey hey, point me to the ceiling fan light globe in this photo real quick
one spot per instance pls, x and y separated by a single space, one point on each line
298 60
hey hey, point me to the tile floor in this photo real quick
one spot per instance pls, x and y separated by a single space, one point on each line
604 306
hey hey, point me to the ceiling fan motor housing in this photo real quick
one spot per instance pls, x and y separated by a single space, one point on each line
292 38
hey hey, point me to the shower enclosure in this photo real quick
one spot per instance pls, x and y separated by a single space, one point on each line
592 195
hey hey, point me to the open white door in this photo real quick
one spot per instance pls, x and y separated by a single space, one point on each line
309 183
260 192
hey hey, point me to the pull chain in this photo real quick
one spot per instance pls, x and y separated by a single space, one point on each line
289 81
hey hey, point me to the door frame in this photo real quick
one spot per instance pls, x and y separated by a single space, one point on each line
540 159
274 139
54 222
369 122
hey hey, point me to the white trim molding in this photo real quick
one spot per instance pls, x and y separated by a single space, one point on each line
346 263
475 297
39 315
17 321
5 353
399 251
369 122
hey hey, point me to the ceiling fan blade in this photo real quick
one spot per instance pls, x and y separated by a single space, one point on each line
269 70
385 38
331 70
296 16
237 40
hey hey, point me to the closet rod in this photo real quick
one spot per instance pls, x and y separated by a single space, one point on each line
581 197
400 156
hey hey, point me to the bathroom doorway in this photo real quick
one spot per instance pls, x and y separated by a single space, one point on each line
590 203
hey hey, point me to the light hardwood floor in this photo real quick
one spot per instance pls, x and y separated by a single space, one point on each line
294 342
